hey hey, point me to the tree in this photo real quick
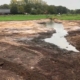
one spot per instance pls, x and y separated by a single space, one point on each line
26 1
28 8
72 11
52 9
13 5
14 9
36 7
62 10
13 2
5 6
77 11
21 9
17 6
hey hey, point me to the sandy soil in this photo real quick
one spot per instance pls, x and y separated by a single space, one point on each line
25 56
69 25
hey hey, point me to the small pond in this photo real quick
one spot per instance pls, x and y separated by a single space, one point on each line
58 38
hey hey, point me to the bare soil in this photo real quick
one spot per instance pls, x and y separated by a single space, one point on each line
25 56
69 25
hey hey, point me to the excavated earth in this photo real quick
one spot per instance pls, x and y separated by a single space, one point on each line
25 56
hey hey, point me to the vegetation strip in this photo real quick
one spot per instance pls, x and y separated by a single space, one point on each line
36 17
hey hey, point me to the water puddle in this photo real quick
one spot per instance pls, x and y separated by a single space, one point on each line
58 38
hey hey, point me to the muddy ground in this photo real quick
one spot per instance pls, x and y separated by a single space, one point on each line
25 56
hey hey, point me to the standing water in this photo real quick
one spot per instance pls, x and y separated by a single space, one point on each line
58 38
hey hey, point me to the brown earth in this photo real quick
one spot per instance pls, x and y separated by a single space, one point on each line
25 58
70 25
74 38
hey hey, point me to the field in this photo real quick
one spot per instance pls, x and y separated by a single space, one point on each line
69 17
36 17
21 17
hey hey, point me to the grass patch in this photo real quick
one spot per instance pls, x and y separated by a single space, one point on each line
68 17
36 17
22 17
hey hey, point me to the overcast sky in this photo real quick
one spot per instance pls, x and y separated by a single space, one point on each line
71 4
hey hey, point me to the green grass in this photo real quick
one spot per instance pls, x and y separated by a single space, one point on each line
22 17
36 17
68 17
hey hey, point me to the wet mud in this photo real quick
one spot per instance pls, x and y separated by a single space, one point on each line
74 38
34 59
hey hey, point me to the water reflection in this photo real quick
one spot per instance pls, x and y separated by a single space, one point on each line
58 38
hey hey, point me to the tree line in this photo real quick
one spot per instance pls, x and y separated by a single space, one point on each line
30 8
